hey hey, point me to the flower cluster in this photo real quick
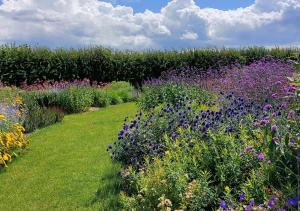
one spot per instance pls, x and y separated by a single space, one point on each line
261 80
143 136
59 85
11 140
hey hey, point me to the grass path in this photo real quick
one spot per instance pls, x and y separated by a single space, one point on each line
67 166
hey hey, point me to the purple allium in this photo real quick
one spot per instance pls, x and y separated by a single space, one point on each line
261 156
274 128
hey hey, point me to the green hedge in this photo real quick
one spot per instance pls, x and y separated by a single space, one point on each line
25 63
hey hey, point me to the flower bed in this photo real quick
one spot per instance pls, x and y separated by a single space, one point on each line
230 153
12 139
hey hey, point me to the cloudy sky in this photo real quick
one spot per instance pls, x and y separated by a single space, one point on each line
150 24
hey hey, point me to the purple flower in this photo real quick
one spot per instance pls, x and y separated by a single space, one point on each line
262 122
271 203
223 204
275 138
267 107
250 205
292 202
274 128
249 148
261 156
242 195
291 114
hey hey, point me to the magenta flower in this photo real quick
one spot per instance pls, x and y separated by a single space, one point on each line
261 156
262 122
291 114
249 148
268 107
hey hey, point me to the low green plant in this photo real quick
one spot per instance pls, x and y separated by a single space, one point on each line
42 117
120 91
75 99
171 93
101 98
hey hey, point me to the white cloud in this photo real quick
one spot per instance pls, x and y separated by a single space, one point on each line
189 36
181 23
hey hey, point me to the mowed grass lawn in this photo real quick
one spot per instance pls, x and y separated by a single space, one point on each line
67 166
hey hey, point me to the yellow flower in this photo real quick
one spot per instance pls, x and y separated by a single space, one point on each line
227 189
6 157
18 100
2 117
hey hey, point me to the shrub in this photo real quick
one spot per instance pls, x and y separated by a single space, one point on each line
42 117
101 98
24 63
121 91
114 97
75 99
170 92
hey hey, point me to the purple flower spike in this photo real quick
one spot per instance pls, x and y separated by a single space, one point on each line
267 107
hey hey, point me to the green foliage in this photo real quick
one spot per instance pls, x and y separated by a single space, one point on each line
37 115
196 174
7 94
101 98
24 63
41 117
171 93
75 99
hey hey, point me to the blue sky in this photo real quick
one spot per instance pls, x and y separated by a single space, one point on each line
182 23
156 5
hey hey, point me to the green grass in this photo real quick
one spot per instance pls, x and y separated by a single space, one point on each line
67 166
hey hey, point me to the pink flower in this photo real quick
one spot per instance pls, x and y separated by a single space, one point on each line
291 115
261 156
249 148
